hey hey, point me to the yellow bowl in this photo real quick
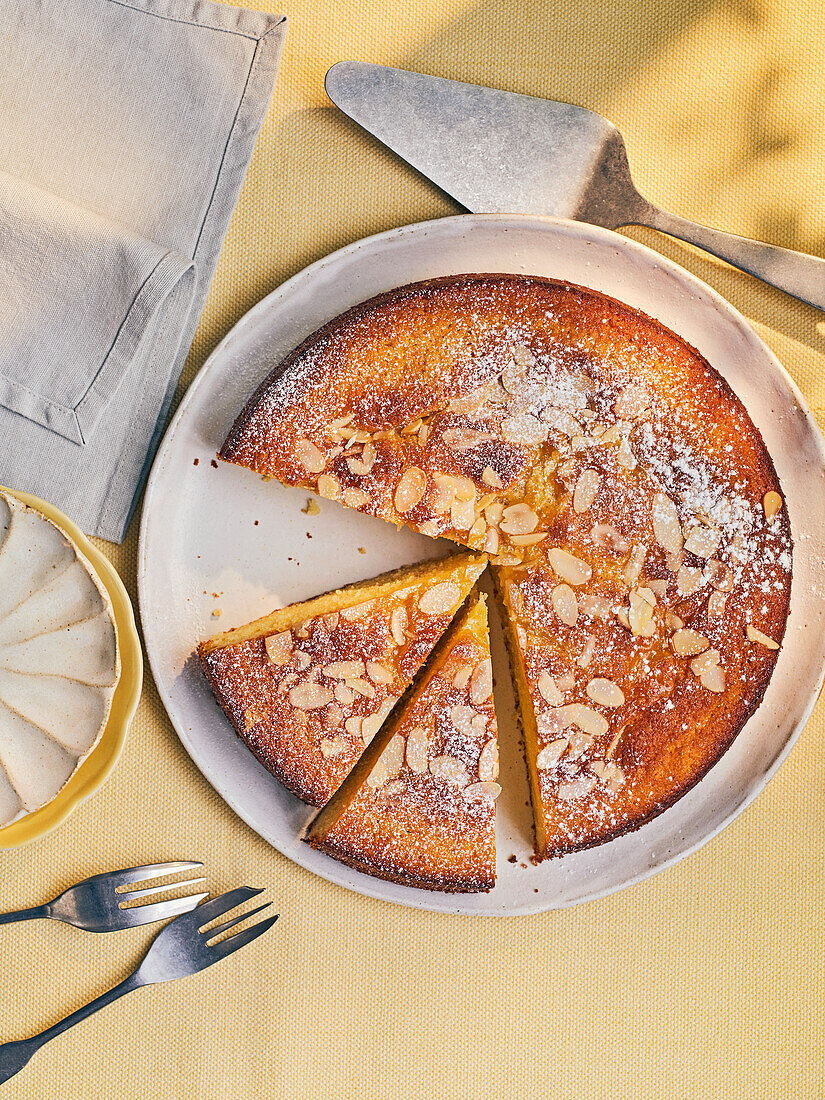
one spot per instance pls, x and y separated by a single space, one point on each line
99 764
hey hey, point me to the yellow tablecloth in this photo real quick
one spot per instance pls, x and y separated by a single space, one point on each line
704 981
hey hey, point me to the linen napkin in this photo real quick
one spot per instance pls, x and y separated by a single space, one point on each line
127 130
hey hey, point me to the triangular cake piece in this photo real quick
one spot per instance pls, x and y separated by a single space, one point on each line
419 808
308 686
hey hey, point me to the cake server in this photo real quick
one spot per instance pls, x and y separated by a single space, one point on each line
185 946
499 152
102 903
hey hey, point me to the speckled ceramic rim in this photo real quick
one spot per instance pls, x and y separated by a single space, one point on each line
559 249
100 763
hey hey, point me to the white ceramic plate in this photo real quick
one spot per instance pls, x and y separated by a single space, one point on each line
222 530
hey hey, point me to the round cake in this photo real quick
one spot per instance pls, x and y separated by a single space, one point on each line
59 661
636 526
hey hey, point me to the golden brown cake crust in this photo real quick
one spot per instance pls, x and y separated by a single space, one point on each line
529 418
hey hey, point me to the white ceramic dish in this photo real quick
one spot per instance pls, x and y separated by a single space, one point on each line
223 530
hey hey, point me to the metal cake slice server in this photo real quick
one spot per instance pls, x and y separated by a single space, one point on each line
499 152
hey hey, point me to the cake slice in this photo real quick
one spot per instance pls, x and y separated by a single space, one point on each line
308 686
419 807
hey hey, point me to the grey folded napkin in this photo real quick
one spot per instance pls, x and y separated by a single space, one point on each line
127 130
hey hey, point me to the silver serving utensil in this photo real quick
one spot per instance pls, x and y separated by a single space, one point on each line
179 949
498 152
97 903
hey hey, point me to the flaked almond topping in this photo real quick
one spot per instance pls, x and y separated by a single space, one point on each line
309 696
708 660
462 514
362 686
481 682
716 604
549 690
772 503
462 677
302 660
521 635
439 599
631 404
465 439
608 773
666 525
572 789
343 670
634 565
488 761
589 721
372 723
413 427
594 606
343 694
355 498
587 654
491 478
430 528
462 718
398 625
688 580
605 534
330 621
657 587
587 488
564 604
550 755
481 792
353 725
719 576
341 422
332 746
363 465
566 682
640 616
279 647
410 490
311 458
648 594
625 456
687 643
613 434
460 487
329 486
702 542
479 528
492 540
417 746
569 568
493 512
673 621
605 692
378 673
518 519
755 635
528 540
713 679
451 770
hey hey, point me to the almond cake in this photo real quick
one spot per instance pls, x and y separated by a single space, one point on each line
308 686
419 808
636 526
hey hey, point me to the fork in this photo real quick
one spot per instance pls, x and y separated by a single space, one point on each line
96 904
183 947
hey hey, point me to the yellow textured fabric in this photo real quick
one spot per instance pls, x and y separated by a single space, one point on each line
704 981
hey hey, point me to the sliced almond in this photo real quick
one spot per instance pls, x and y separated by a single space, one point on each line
481 792
666 525
462 677
491 478
279 647
329 487
594 606
353 725
362 686
309 696
439 599
716 604
355 498
481 682
488 761
610 774
462 514
688 643
631 404
332 746
378 673
636 561
703 542
550 755
410 489
417 747
363 465
605 534
569 568
587 654
492 540
755 635
587 489
398 625
311 458
605 692
528 540
518 519
564 604
772 503
343 670
688 580
373 722
450 769
640 616
709 659
713 679
549 690
344 696
572 789
585 718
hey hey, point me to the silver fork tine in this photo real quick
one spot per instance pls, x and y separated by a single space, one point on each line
210 910
149 870
131 895
163 909
210 933
241 939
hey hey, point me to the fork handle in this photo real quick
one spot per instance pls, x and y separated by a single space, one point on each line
14 1056
796 273
25 914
